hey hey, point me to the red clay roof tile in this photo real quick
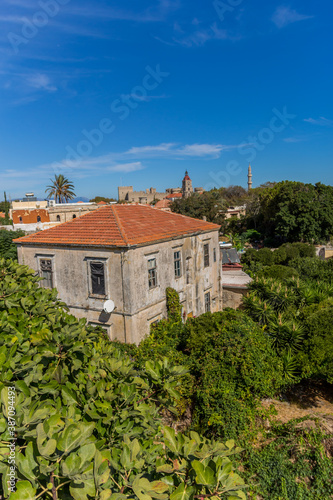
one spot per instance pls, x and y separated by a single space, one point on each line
120 226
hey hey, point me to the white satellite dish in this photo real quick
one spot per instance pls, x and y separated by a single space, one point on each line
108 306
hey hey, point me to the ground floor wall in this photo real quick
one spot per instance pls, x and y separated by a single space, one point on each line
232 297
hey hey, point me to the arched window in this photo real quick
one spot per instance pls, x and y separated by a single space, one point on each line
74 216
20 219
38 218
58 218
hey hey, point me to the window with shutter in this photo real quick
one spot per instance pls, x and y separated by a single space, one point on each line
97 278
46 273
152 273
206 255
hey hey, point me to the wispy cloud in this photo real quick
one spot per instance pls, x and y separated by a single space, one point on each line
285 15
127 167
197 37
173 150
322 122
41 81
146 98
123 162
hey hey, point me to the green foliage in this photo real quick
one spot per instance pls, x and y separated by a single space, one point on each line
314 269
318 355
61 189
8 249
97 199
292 465
173 305
279 272
210 204
87 419
294 211
230 362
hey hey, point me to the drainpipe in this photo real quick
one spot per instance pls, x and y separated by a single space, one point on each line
122 284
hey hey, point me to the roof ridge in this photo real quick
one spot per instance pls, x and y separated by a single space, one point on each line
119 225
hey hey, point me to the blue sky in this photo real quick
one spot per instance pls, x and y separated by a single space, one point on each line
134 93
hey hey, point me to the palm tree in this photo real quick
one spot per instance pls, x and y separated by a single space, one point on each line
61 189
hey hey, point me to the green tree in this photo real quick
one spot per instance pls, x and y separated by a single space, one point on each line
210 205
8 249
61 189
98 199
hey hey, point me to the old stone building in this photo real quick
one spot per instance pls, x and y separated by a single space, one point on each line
129 254
126 193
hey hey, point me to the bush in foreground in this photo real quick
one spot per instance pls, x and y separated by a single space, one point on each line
87 422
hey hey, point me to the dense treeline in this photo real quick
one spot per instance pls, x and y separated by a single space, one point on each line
281 212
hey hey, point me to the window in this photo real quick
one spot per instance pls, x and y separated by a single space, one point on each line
177 263
38 218
214 251
152 273
21 220
46 273
97 278
206 255
58 218
207 302
74 216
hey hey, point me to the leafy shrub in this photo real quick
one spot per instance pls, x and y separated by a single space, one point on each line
87 420
233 364
292 465
8 249
279 272
318 359
314 269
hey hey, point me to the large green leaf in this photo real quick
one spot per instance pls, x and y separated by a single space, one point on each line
74 436
24 491
205 475
183 492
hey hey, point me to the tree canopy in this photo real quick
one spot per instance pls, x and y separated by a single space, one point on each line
61 189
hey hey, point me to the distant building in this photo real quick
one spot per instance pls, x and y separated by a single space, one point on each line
163 205
235 212
128 254
234 281
32 215
126 193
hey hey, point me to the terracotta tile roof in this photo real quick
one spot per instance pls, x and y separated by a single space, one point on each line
102 203
2 215
173 195
30 216
120 226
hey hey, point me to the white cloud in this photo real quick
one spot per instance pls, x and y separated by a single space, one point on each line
127 167
169 150
323 122
41 81
285 15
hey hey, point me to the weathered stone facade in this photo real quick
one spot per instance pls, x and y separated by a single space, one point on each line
198 279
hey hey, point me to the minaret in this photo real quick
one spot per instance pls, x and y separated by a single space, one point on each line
249 179
187 188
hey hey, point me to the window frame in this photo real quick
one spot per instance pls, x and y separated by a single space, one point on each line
152 273
43 257
97 260
95 274
208 303
206 254
177 264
